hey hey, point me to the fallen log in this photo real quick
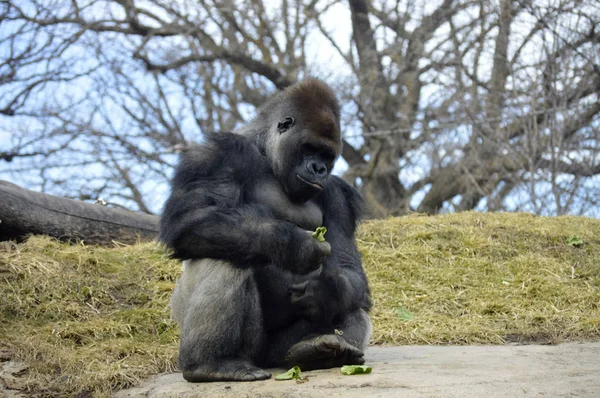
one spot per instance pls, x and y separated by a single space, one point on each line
24 212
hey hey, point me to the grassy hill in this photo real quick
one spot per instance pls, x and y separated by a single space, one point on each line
90 320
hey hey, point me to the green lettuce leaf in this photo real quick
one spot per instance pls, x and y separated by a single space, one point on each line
356 369
319 234
293 373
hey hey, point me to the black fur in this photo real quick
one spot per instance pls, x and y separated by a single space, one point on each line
264 258
207 214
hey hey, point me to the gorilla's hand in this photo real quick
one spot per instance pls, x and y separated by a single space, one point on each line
309 298
306 254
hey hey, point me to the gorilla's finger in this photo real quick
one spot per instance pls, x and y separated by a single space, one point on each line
300 287
339 343
357 361
298 290
354 352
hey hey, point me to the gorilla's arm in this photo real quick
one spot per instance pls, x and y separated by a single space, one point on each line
207 216
342 285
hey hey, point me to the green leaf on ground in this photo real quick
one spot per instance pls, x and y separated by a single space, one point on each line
404 314
292 374
575 241
356 369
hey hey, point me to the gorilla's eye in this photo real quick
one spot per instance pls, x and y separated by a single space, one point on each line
285 124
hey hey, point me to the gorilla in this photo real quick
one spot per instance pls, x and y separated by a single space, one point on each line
257 290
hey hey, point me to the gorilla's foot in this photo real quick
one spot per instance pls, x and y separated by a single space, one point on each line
226 370
323 352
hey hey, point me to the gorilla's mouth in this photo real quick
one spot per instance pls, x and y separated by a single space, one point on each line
312 184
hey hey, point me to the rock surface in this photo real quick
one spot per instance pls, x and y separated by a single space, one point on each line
422 371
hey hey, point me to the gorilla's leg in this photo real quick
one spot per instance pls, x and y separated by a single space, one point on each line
310 347
218 310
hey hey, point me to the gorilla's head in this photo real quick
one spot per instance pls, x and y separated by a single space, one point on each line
300 129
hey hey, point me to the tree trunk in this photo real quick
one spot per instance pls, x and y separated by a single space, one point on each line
24 212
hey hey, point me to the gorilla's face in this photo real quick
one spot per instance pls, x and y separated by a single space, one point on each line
303 153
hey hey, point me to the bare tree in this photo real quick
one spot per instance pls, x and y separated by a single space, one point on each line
449 105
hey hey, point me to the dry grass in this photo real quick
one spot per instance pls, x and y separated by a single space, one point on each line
90 320
87 320
483 278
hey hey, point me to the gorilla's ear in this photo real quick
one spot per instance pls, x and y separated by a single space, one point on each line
285 124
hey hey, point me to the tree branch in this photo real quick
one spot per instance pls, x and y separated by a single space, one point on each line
351 155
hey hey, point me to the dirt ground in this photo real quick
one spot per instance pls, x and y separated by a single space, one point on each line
566 370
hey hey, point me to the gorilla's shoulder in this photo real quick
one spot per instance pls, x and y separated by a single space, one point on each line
219 155
223 148
229 142
343 202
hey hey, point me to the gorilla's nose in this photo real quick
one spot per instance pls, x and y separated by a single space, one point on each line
317 168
